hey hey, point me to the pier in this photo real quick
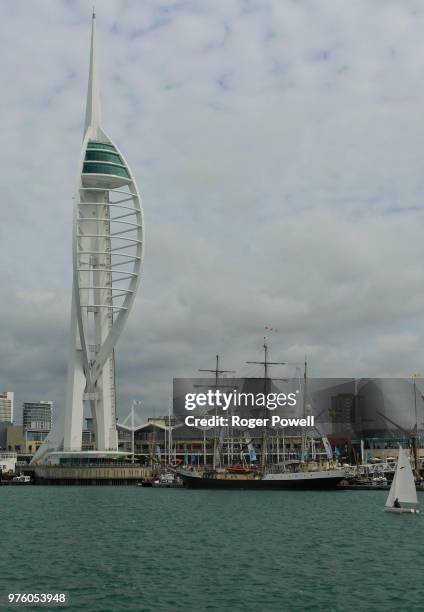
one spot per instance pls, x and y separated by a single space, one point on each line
83 475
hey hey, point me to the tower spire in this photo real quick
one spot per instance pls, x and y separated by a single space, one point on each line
93 109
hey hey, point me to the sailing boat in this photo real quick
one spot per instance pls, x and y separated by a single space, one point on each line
403 495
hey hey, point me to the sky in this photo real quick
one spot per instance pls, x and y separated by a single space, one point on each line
277 146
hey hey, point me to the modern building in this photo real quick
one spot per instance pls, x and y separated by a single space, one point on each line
108 246
7 462
37 416
15 440
3 435
24 442
6 407
37 420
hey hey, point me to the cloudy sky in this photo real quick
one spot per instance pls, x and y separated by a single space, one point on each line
278 146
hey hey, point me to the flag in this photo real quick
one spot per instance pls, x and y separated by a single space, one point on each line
250 447
252 454
327 447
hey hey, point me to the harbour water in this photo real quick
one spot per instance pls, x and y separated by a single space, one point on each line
129 548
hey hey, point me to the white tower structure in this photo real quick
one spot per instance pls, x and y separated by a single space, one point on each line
107 247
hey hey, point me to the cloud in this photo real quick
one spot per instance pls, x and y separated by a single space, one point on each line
277 146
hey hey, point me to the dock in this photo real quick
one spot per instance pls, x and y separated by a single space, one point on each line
96 475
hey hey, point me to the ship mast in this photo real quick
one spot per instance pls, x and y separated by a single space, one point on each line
265 363
303 450
217 371
413 438
415 435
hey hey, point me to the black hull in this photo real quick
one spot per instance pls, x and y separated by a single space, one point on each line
193 482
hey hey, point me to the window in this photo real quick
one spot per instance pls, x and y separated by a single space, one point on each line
103 156
95 168
100 145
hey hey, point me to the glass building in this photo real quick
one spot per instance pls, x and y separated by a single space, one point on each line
37 416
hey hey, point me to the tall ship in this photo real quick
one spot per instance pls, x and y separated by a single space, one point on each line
268 479
306 471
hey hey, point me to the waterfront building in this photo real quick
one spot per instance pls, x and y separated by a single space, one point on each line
15 440
88 439
37 416
3 435
37 422
108 242
363 419
6 407
24 441
159 439
7 462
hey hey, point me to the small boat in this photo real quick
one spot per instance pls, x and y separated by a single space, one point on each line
147 481
21 479
379 481
167 480
403 494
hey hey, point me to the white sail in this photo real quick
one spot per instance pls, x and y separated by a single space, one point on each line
403 485
391 498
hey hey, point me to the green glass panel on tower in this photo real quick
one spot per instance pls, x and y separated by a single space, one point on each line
96 168
103 156
100 145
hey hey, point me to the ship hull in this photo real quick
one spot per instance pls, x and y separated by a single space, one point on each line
296 481
402 510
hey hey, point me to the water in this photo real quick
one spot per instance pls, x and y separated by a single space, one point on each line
125 548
